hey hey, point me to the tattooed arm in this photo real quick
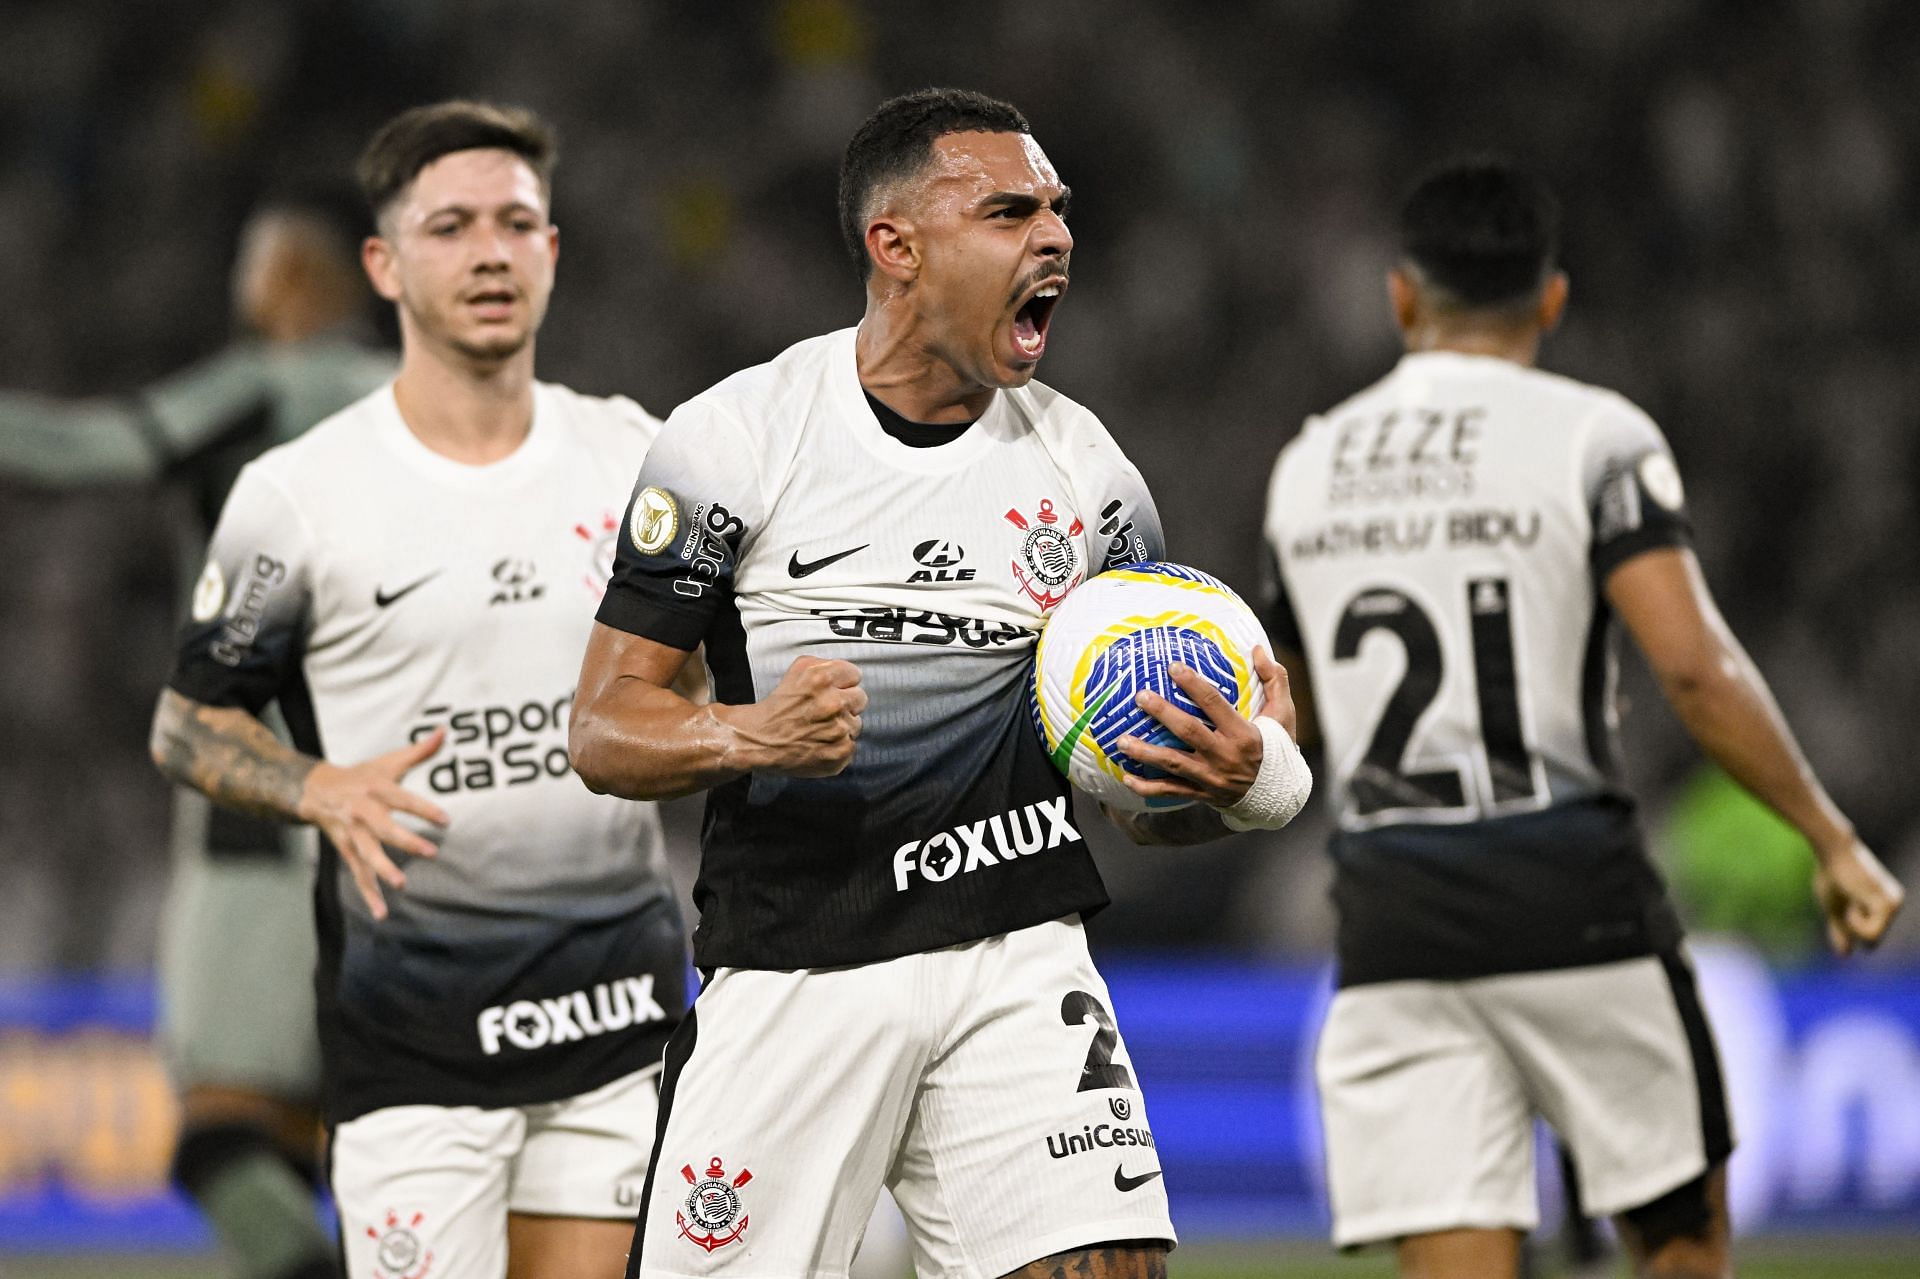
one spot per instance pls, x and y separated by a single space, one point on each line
228 756
236 761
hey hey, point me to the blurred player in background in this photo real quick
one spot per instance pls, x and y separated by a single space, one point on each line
1452 545
237 946
413 581
867 534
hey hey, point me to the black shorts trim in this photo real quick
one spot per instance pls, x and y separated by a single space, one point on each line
674 1060
1716 1131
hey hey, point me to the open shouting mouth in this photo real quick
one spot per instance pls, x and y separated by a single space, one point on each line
1035 310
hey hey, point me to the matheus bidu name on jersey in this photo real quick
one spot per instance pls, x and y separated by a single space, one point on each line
530 1024
1406 535
1019 832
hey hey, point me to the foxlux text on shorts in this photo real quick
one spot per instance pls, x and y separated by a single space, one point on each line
535 1023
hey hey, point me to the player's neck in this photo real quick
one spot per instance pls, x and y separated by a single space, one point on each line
1518 344
906 373
472 411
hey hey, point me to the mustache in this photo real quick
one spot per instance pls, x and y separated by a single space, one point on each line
1051 273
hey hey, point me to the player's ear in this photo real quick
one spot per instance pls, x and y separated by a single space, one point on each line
376 255
893 247
1403 295
1553 301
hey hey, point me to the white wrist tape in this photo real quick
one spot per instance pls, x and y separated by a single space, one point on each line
1280 789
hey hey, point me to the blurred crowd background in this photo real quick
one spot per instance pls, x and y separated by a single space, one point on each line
1740 185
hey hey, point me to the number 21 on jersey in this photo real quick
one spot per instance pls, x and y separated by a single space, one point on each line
1388 779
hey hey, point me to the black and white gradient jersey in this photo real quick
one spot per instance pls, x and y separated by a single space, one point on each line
1442 541
378 590
775 518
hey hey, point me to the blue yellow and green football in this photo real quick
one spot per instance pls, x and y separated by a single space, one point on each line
1116 635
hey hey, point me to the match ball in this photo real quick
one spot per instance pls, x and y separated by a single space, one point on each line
1114 636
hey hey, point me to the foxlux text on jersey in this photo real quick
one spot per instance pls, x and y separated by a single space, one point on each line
509 750
530 1024
1018 832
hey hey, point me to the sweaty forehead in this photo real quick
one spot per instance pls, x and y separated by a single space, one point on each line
482 178
974 164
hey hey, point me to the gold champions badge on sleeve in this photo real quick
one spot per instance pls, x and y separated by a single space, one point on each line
655 519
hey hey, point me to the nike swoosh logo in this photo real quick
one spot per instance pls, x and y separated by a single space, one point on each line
1064 751
796 567
1124 1183
381 598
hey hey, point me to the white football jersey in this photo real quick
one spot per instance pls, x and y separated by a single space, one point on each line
1440 539
378 590
778 517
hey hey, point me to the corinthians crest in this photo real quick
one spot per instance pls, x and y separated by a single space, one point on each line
712 1207
1048 565
600 536
399 1252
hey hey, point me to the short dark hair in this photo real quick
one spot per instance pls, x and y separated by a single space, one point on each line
417 137
1483 231
897 142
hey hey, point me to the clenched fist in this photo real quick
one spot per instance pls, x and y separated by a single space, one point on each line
808 725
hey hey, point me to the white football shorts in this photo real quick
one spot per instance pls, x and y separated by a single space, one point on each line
1429 1089
984 1084
426 1189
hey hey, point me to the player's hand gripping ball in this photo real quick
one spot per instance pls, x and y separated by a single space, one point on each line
1116 635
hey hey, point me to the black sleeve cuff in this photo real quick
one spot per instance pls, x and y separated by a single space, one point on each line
217 686
1649 537
636 614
